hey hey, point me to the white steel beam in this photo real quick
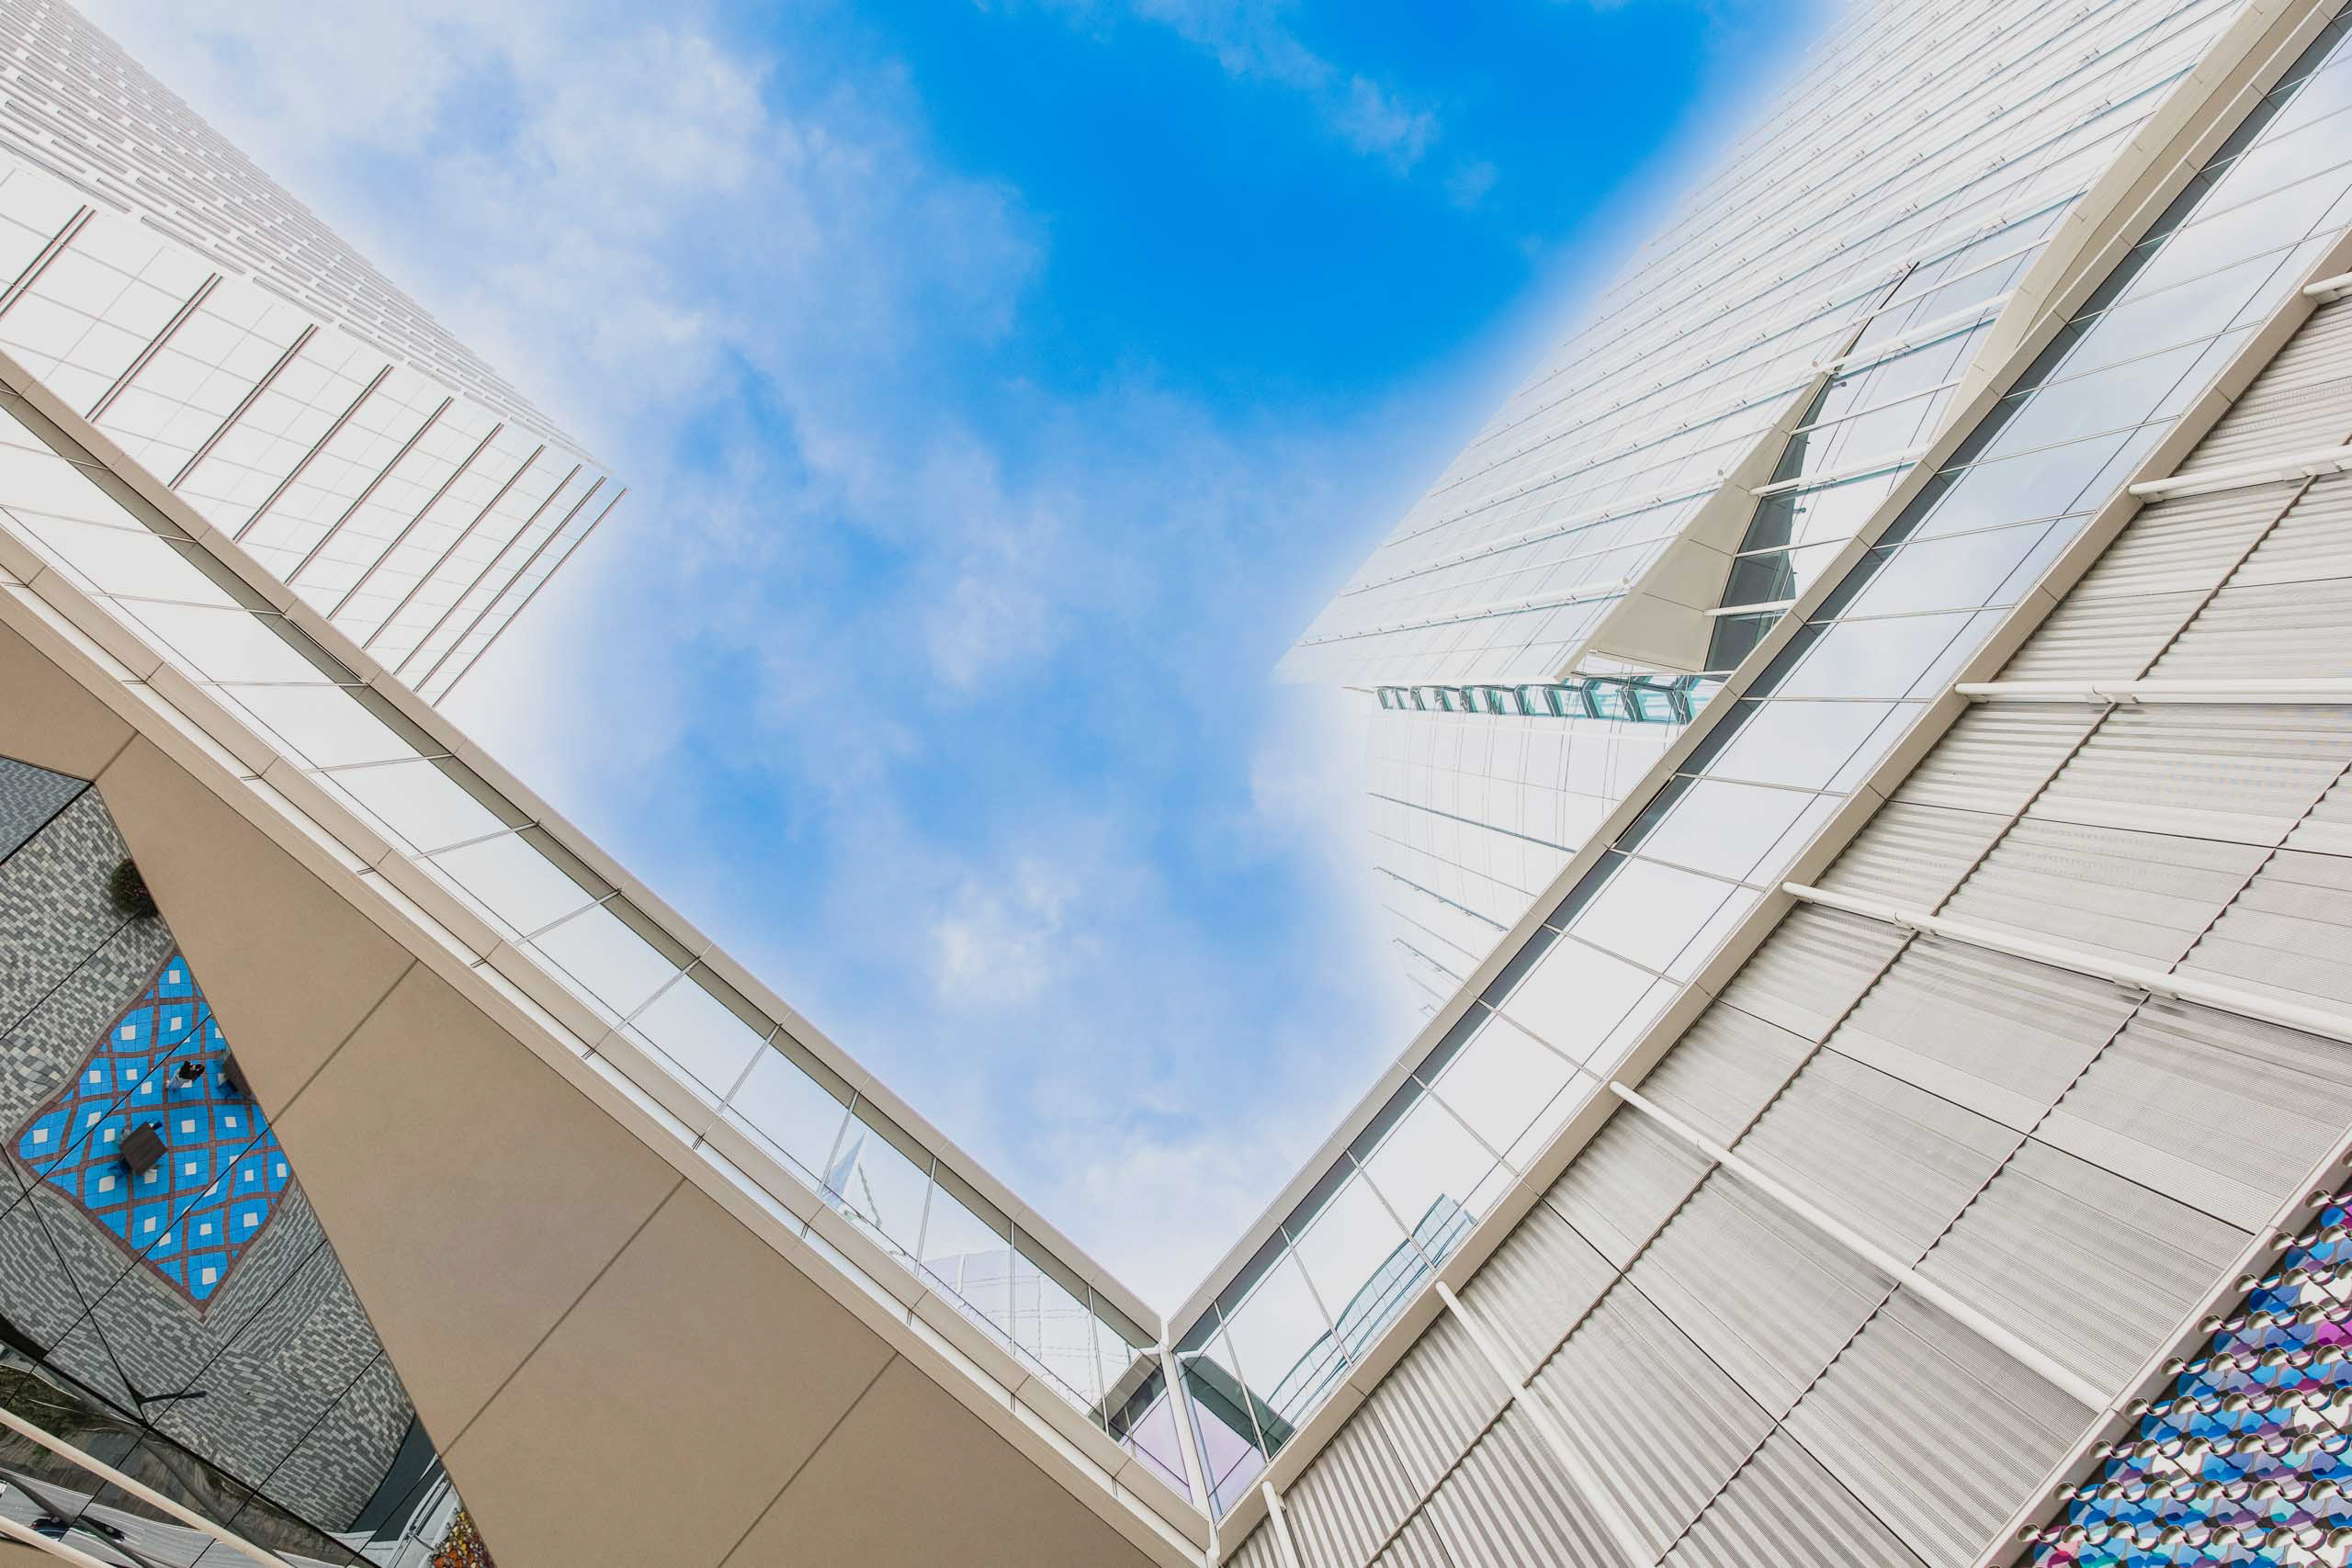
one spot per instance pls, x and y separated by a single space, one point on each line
2286 692
2241 475
2322 1022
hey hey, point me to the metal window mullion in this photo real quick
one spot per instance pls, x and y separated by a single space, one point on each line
301 339
1279 1523
154 346
1521 1391
1187 1440
479 577
2246 476
369 489
297 470
2155 982
516 614
422 513
57 246
553 534
463 534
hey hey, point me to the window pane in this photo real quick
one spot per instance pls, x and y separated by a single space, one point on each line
792 1111
1284 1348
970 1255
878 1183
418 802
1500 1081
1426 1169
605 960
698 1033
1355 1253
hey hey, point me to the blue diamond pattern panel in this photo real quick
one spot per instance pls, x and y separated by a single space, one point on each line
162 1065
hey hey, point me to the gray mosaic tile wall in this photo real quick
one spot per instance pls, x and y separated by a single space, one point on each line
280 1382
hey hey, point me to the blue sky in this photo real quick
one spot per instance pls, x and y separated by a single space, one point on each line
1000 387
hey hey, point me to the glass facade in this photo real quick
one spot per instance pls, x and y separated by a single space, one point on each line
1796 334
241 354
673 1032
1800 733
1809 325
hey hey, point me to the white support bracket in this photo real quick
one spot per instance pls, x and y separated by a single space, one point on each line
2128 693
2051 1371
1522 1391
2328 288
2241 476
1278 1522
2322 1022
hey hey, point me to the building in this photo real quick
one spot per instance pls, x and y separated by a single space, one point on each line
1907 1126
173 294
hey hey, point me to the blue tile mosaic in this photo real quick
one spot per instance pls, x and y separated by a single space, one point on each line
164 1064
2245 1458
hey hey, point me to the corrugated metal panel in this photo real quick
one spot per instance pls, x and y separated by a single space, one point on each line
1660 1424
2245 773
1437 1398
2224 1114
1259 1551
1724 1069
1993 758
1624 1185
1418 1546
1934 1430
1346 1502
2186 546
2302 399
1808 971
1893 1161
1537 1283
1783 1510
1997 1034
1914 854
2290 931
2328 830
1769 1298
2102 639
2093 1269
1509 1503
2289 608
2146 896
2308 544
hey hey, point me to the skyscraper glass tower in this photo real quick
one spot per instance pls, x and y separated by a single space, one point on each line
1864 744
227 342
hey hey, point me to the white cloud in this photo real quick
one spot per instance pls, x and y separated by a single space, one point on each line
1252 41
761 299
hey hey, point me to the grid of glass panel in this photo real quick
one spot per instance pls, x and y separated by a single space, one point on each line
669 1019
1574 487
1780 760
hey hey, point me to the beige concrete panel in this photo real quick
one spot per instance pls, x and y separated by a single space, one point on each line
48 719
470 1193
665 1411
913 1480
290 965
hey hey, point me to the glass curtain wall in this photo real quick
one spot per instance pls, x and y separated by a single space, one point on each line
1615 952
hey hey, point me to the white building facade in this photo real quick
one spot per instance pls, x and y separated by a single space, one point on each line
240 352
1893 1111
